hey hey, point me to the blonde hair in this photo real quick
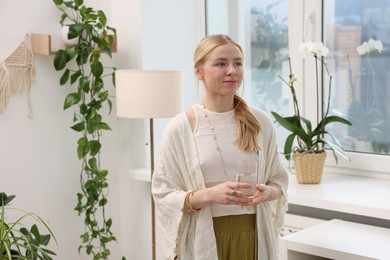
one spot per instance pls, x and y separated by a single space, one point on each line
248 125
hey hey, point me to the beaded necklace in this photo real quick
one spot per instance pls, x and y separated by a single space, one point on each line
215 138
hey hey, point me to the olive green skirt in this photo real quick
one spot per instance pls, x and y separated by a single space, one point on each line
236 237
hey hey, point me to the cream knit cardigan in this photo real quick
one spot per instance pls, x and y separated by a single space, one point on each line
191 236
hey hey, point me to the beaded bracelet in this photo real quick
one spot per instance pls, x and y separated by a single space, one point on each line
187 200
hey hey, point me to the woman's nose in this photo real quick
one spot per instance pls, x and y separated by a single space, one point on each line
231 70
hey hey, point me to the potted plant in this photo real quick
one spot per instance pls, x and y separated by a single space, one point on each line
306 141
16 241
83 69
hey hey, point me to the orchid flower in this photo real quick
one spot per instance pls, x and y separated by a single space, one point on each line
310 138
370 46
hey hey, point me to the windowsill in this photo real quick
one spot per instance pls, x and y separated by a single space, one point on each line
336 192
344 193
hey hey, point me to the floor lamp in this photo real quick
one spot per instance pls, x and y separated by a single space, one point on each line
149 94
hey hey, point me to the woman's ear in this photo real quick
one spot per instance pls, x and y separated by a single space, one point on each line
198 73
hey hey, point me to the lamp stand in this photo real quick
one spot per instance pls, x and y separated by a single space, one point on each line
151 127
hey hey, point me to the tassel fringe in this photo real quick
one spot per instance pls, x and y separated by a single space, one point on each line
17 75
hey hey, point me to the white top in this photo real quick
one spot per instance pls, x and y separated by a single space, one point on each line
225 129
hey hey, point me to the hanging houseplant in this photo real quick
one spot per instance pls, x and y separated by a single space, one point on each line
310 140
84 70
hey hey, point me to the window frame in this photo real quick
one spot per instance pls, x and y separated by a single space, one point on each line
306 23
311 21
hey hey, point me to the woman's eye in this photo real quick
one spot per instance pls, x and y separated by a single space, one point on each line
221 64
238 64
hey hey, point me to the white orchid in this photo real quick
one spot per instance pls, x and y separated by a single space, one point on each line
370 46
320 49
310 48
306 48
310 138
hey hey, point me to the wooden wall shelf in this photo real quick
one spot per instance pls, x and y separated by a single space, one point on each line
41 44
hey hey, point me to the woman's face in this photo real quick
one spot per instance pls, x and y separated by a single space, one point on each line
222 70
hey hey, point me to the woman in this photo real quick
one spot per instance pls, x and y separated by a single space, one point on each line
203 212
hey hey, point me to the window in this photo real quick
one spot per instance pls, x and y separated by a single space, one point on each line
361 78
266 48
271 30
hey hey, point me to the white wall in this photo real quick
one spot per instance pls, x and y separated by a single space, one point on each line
156 35
38 161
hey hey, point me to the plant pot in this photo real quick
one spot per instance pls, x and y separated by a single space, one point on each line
65 39
309 167
14 253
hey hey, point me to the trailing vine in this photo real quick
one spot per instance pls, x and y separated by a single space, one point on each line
84 72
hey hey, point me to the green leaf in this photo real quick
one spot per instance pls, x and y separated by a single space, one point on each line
4 199
84 84
60 60
83 141
94 56
71 99
58 2
85 237
63 18
78 2
94 147
82 58
93 164
82 148
83 109
290 123
79 206
109 222
78 127
99 85
288 146
71 51
104 126
107 51
103 95
97 69
75 76
64 78
45 239
102 17
307 123
75 30
102 202
109 106
75 117
104 173
24 231
332 119
336 150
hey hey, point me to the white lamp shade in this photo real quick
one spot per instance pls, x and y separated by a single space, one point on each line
148 93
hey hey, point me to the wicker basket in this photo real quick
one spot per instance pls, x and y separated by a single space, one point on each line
309 167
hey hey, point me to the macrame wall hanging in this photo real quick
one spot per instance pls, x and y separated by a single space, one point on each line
17 74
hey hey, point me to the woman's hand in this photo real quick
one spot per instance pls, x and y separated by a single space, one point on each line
226 193
266 192
262 193
234 193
